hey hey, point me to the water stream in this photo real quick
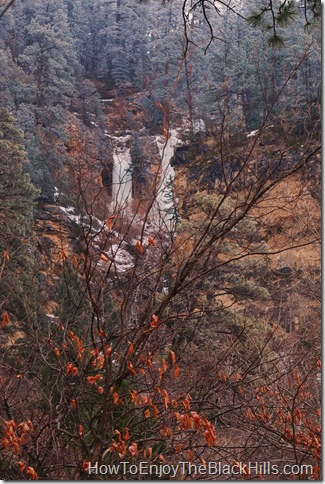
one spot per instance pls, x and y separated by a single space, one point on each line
164 204
122 171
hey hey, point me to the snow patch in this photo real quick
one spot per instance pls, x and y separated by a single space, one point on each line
252 133
68 210
199 126
57 194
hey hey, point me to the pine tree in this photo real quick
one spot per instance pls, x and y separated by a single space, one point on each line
16 209
50 56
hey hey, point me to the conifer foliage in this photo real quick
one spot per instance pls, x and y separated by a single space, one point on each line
16 200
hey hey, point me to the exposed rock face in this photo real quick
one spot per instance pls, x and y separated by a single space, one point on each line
287 220
57 235
55 229
181 156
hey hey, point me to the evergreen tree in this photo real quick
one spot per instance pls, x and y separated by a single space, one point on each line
16 203
50 56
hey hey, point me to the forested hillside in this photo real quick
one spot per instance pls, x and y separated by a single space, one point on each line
160 240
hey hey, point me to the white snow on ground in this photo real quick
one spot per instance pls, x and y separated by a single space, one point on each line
252 133
78 219
68 210
57 194
199 126
122 258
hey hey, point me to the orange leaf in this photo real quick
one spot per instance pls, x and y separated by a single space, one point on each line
133 449
173 357
5 319
166 431
250 415
154 321
210 436
126 434
131 348
64 254
5 443
130 367
147 413
103 257
108 351
100 390
165 396
151 241
70 368
57 351
165 133
30 471
164 365
186 403
21 466
74 261
91 380
109 222
139 247
134 396
115 398
155 411
176 371
74 403
80 430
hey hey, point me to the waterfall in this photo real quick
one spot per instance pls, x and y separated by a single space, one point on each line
164 203
122 170
163 206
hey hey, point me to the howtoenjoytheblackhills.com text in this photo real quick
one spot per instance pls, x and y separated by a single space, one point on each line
213 468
